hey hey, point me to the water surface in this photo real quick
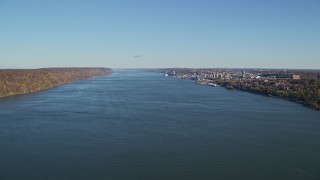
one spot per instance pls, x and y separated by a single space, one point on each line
140 125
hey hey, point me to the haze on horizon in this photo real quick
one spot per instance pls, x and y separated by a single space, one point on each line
166 33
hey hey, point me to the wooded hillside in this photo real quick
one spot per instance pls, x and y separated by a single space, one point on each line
21 81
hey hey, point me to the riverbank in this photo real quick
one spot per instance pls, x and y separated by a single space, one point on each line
299 86
274 94
23 81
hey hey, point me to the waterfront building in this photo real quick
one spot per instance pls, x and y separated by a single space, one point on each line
295 77
243 74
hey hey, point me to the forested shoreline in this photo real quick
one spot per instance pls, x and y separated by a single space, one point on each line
22 81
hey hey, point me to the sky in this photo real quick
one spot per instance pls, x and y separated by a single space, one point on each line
160 33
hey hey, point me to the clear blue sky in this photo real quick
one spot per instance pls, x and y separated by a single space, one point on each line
160 33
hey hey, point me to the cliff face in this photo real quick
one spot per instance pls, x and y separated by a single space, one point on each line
21 81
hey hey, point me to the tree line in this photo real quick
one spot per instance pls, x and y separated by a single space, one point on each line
21 81
304 91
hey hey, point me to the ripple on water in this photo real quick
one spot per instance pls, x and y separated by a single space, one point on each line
139 125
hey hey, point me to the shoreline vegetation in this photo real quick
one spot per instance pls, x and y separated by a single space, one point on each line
299 86
23 81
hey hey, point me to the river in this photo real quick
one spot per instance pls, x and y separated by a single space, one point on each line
141 125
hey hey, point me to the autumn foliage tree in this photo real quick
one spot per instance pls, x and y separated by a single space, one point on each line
21 81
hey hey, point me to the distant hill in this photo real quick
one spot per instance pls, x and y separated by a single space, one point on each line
22 81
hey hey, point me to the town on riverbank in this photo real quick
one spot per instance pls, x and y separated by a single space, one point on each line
301 86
